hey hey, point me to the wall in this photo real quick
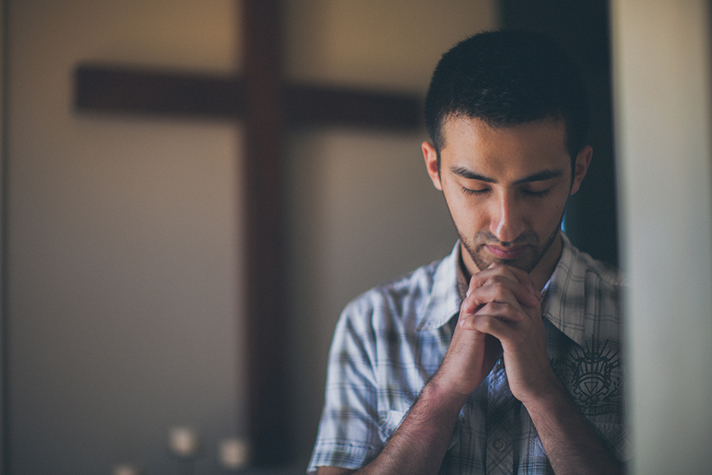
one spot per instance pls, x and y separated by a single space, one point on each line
124 305
662 101
123 238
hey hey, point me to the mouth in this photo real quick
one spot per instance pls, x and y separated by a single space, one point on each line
506 253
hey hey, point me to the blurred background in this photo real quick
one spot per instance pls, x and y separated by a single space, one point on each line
123 234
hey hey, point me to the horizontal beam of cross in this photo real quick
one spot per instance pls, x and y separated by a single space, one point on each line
100 88
266 105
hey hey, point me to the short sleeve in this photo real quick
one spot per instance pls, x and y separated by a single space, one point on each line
349 428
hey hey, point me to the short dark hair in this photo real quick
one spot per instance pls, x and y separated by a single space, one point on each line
508 78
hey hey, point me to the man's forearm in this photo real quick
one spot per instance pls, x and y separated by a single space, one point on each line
570 443
420 443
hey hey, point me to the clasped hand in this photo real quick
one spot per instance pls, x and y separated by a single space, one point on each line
500 316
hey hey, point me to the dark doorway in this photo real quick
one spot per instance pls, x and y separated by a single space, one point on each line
582 27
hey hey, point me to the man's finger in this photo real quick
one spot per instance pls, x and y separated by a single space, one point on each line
499 289
512 273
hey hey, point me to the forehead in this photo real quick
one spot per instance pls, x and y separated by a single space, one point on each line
504 152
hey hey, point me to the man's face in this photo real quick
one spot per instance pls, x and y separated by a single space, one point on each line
506 189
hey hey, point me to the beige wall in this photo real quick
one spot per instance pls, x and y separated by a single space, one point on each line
123 239
124 233
662 83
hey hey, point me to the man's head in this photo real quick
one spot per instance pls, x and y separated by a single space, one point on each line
507 115
507 78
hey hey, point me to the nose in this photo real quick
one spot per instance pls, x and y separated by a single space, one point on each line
506 221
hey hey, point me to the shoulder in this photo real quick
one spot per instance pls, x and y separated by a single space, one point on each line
576 266
604 272
603 290
400 300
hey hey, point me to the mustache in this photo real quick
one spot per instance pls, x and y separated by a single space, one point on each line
486 237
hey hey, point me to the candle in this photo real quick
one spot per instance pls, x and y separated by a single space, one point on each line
125 470
183 441
234 453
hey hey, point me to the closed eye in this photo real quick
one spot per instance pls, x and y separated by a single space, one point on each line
469 191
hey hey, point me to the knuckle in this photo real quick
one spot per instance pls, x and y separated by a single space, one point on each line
499 287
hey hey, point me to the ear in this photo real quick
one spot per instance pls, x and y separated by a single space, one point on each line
583 160
431 163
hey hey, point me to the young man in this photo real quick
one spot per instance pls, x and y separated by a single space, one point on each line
502 357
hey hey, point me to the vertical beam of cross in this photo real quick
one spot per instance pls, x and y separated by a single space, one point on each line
263 182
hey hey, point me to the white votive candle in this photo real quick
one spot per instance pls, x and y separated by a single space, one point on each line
125 470
234 453
183 441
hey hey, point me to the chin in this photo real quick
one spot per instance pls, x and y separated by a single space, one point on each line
527 265
483 260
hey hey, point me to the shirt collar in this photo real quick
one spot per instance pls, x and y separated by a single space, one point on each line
444 299
563 297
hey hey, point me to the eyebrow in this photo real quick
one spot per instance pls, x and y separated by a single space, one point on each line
538 176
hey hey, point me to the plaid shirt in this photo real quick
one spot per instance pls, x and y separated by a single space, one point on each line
390 341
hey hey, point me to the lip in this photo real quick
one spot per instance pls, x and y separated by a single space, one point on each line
509 253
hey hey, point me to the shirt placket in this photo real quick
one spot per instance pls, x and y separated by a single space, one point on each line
500 423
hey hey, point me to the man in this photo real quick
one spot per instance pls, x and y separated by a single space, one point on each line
502 357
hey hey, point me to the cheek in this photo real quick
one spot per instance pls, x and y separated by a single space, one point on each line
467 214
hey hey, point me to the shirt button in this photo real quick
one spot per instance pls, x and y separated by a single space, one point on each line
498 444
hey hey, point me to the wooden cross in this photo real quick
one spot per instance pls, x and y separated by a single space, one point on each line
267 105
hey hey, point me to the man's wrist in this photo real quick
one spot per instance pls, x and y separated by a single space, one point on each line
546 391
440 394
